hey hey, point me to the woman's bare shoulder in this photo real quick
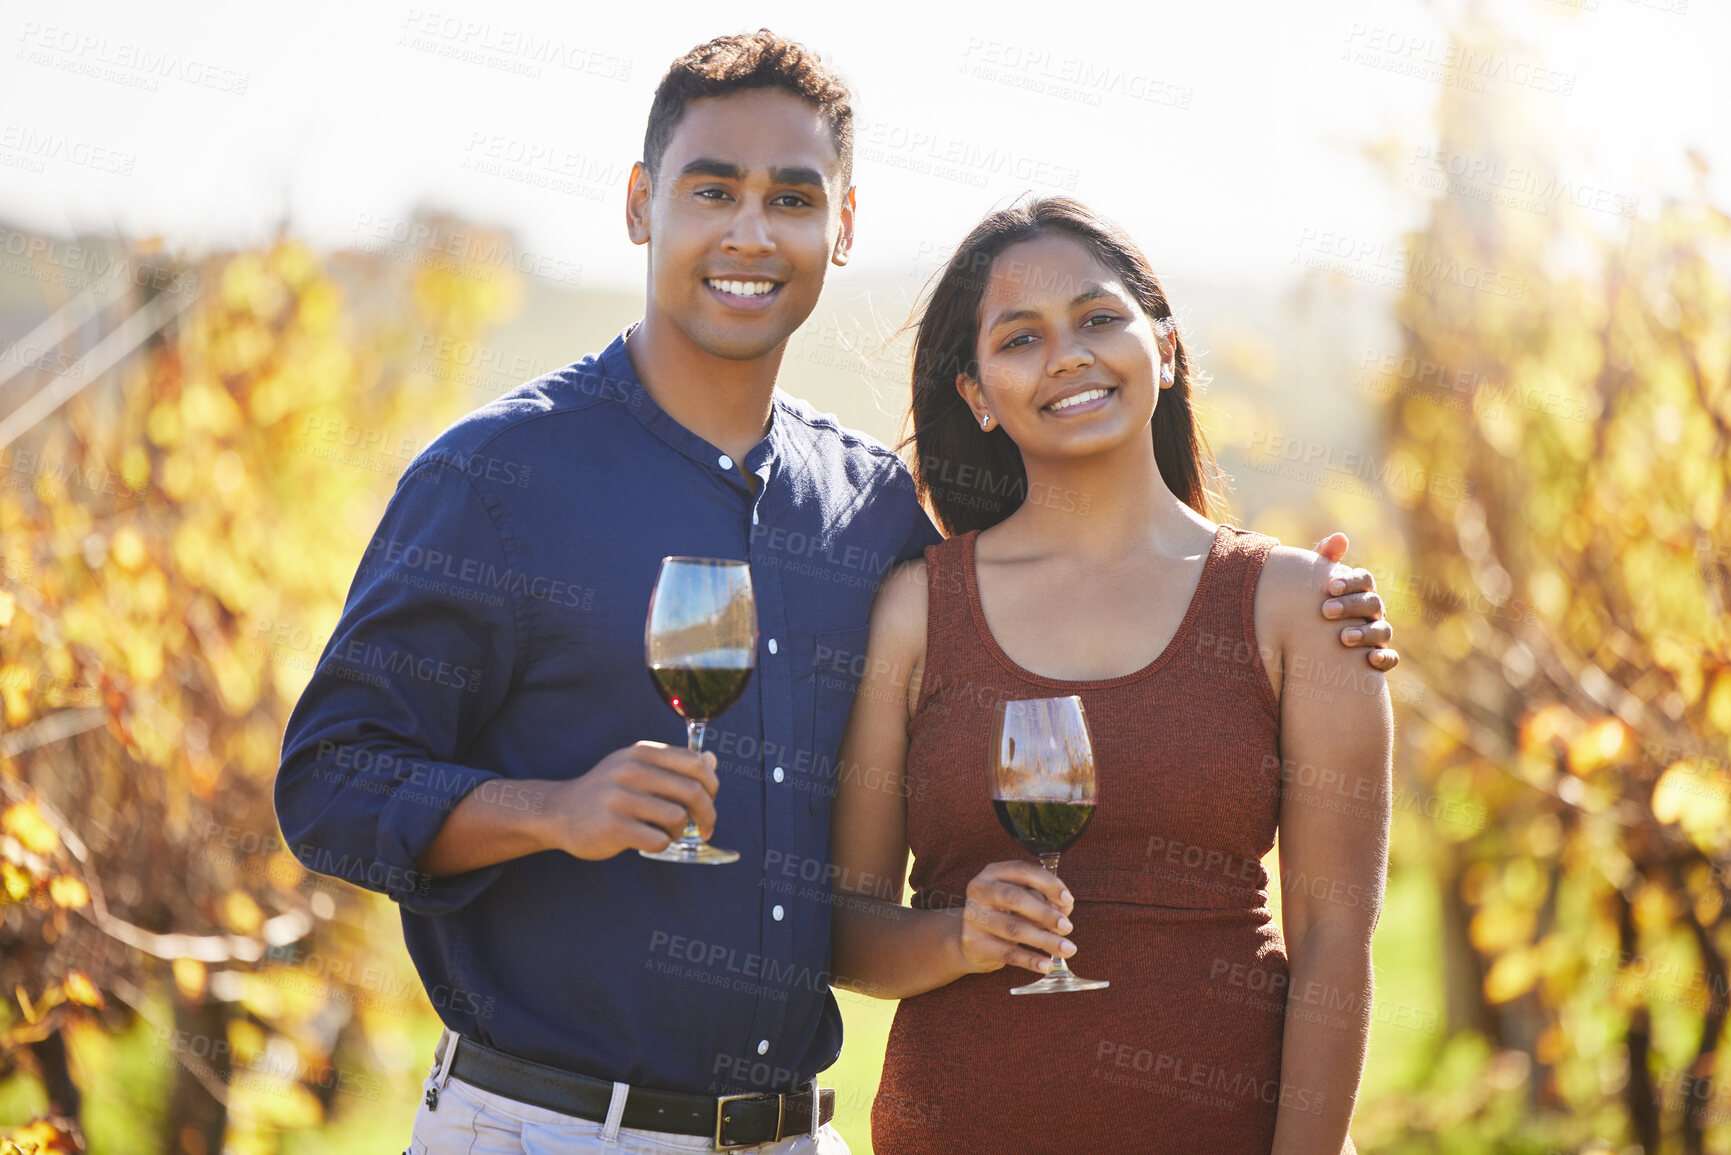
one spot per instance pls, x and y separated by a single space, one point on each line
899 613
1291 591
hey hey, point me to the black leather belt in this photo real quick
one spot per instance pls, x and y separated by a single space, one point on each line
730 1120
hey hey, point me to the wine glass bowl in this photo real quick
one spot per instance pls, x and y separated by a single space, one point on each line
1043 786
700 643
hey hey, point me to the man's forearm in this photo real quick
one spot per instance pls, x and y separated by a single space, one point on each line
491 824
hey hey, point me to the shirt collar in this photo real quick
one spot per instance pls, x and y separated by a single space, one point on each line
616 366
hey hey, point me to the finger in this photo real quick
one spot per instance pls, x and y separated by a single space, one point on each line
1373 636
700 768
657 812
1366 606
1033 876
1367 634
1012 931
688 794
1384 658
1026 959
643 836
1021 902
1346 580
1333 547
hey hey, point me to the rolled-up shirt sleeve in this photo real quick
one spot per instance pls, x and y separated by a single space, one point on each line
421 659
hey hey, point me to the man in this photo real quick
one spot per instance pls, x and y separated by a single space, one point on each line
496 784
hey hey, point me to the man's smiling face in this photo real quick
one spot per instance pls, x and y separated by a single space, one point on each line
745 214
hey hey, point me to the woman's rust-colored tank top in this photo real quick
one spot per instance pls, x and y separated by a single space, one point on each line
1182 1051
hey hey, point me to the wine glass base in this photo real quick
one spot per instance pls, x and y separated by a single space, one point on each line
700 853
1054 984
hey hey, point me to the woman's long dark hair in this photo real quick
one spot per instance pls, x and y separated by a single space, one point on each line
973 479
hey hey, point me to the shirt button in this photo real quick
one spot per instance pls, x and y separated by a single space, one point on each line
778 774
772 646
777 913
763 1047
724 461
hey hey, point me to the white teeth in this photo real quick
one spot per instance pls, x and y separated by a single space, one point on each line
1078 399
743 288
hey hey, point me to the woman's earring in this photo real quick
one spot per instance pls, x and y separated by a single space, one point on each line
1166 372
985 421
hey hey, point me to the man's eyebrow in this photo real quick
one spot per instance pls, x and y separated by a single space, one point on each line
727 170
1091 291
808 176
704 166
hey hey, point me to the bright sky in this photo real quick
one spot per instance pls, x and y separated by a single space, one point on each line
1217 132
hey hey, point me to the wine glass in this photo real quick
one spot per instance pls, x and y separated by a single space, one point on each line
1042 781
700 642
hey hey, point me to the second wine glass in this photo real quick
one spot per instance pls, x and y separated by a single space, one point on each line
700 642
1043 788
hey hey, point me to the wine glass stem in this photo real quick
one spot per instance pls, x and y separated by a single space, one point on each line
693 741
1060 968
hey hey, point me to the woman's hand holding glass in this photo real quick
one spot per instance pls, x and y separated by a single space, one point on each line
1017 914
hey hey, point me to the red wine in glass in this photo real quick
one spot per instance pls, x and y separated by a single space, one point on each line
1041 775
700 643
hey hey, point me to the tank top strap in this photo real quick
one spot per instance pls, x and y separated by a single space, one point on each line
1246 553
949 616
1225 636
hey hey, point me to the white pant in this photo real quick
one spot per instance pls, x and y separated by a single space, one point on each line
470 1121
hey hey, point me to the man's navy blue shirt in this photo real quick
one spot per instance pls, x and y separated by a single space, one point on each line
494 632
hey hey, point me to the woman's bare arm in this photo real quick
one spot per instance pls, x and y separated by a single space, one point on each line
881 947
1336 742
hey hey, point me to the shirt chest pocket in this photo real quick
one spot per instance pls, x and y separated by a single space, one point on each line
840 662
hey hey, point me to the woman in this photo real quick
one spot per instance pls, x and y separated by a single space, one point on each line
1057 444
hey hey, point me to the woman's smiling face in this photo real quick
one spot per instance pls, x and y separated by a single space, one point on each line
1068 361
